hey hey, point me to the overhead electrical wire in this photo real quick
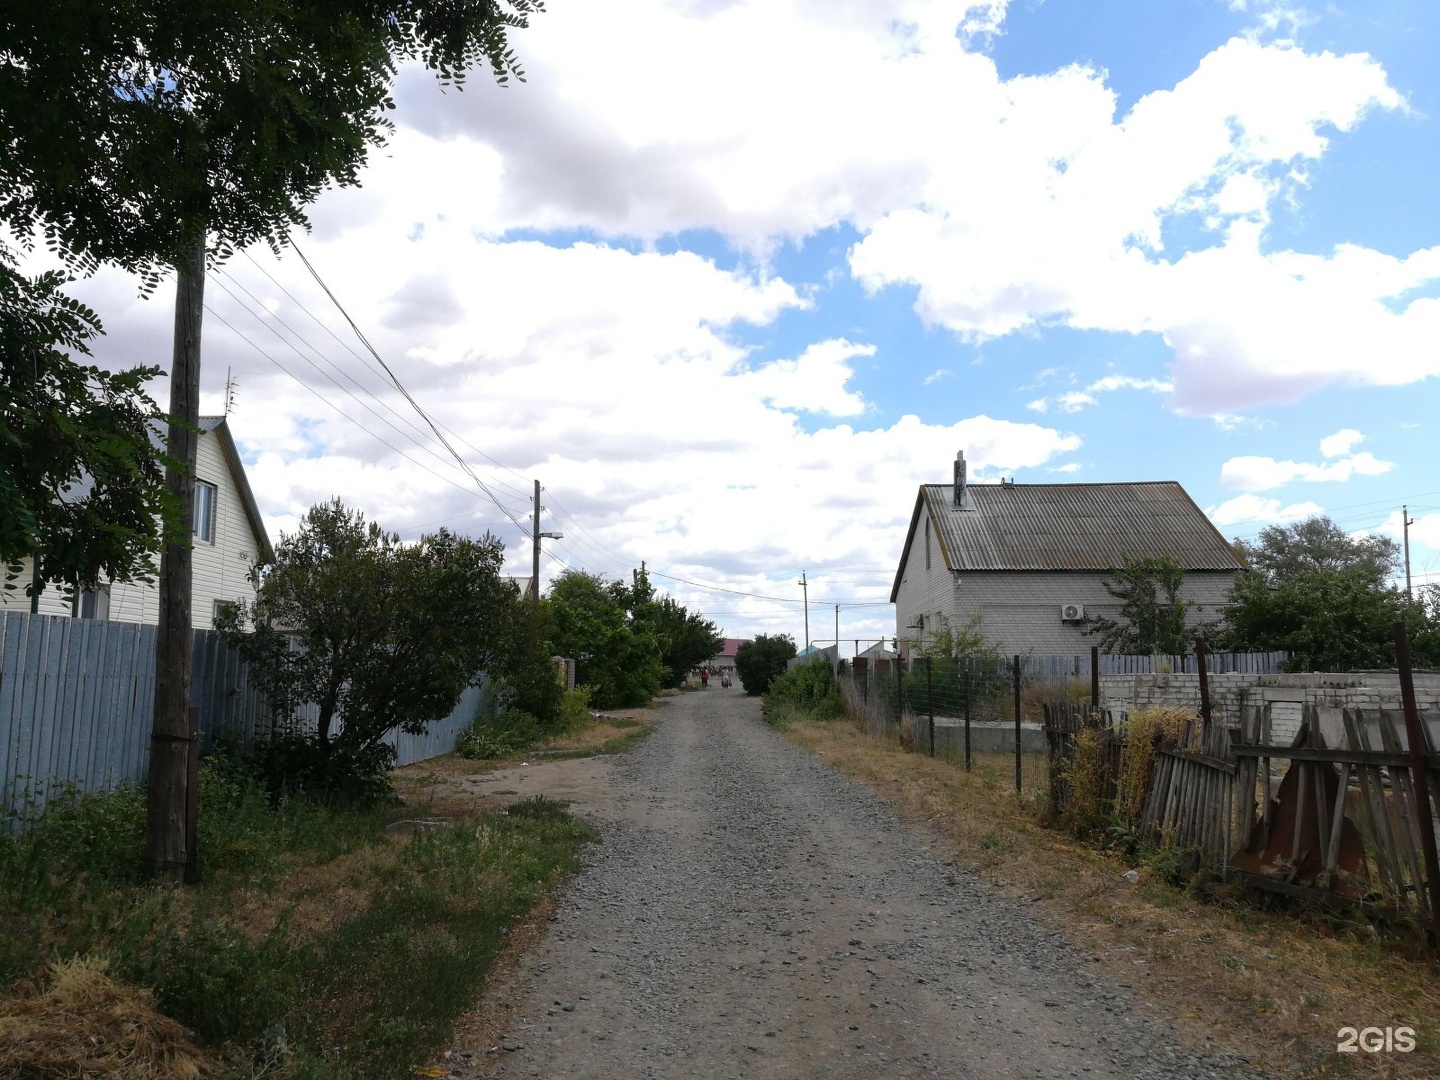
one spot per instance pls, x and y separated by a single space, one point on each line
346 346
394 379
245 338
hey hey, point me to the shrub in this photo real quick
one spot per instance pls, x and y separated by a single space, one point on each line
288 765
575 708
511 732
758 662
807 690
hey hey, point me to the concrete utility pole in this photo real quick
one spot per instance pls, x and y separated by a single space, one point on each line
1407 521
536 535
805 588
171 806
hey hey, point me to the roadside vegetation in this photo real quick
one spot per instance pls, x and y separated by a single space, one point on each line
1274 983
327 939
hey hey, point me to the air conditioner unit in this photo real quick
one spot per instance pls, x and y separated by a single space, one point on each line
1072 612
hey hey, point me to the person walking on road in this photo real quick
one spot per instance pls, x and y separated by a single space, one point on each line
704 678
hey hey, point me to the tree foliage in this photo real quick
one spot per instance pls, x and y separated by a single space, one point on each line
82 484
1152 616
1283 552
607 629
387 635
134 127
686 639
1324 596
131 131
760 661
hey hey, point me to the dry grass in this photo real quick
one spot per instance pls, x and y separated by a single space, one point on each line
1275 986
87 1026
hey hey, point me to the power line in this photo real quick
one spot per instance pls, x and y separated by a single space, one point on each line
400 386
346 346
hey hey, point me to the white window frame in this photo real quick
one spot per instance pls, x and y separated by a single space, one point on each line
203 528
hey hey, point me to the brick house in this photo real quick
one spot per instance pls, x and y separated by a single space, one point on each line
1031 560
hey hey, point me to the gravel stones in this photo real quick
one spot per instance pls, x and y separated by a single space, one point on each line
750 912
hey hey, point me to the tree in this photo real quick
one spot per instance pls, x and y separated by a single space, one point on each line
81 481
137 132
686 640
758 662
1282 552
608 634
1152 617
387 634
1324 597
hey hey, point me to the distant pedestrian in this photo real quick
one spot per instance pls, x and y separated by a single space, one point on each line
704 678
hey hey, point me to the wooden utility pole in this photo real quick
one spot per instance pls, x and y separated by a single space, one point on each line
170 848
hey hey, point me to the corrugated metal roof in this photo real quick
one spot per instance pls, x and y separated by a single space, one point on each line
1074 527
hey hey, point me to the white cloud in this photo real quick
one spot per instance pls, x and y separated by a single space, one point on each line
1247 509
1253 473
936 375
1341 443
1075 400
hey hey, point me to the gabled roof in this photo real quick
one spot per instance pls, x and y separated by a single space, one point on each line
1059 527
731 646
217 426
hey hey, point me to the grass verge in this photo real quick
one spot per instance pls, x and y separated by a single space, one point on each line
323 943
1274 985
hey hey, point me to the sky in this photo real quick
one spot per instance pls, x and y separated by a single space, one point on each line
731 278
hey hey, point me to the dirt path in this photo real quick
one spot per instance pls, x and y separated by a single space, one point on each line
749 912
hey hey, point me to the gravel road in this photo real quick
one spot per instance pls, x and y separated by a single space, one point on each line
750 912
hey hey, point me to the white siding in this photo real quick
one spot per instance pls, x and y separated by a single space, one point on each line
219 568
53 601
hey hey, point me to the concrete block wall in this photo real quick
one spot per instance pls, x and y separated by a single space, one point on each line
1288 694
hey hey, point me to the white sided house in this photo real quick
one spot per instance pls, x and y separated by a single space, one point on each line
1031 560
228 537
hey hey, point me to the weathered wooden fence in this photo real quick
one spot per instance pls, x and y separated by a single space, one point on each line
1333 815
76 702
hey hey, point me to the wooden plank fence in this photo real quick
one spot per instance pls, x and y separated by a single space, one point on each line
1331 815
76 704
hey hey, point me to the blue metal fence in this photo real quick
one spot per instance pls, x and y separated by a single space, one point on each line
77 696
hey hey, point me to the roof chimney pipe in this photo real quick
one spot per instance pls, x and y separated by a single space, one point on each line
963 501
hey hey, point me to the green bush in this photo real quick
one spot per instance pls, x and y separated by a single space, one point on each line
807 690
288 765
512 732
760 661
575 708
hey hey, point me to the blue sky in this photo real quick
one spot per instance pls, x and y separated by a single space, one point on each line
733 297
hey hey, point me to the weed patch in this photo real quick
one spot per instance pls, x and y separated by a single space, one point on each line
317 946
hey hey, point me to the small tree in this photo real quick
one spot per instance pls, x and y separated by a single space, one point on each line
1152 617
386 635
758 662
606 627
686 640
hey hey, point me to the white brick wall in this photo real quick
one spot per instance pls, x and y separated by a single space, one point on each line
1020 610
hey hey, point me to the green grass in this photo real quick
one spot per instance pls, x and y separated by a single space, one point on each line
255 959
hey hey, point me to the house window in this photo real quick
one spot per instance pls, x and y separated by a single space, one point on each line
204 527
222 607
93 603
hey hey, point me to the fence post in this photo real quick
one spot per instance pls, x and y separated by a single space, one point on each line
967 716
1094 678
930 702
1421 782
1017 724
900 694
1204 683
